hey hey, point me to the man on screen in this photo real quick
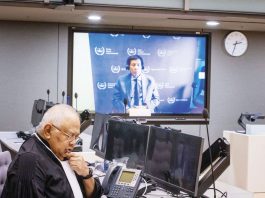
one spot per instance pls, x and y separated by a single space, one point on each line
135 89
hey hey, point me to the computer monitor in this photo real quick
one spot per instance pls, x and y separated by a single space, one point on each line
99 133
173 160
127 139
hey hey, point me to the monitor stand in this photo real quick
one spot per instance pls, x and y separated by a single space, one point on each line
221 158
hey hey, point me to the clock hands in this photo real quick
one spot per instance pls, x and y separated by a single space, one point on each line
235 44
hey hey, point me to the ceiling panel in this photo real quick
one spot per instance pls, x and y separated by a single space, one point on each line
132 17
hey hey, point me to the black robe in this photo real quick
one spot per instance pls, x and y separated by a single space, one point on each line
36 172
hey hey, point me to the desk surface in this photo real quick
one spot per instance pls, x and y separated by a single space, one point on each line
11 141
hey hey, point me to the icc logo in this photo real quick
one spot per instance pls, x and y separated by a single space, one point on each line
115 69
161 52
171 100
146 69
100 51
114 35
131 52
146 36
102 85
160 85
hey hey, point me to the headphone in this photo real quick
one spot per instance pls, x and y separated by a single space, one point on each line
134 57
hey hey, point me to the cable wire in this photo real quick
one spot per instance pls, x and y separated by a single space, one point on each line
145 186
206 116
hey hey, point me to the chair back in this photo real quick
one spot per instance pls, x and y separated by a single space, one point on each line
5 160
6 147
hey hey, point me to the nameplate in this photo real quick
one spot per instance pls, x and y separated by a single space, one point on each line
139 112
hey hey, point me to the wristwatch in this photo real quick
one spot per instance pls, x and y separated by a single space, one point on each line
90 174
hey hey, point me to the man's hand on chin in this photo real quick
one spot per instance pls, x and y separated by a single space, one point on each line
78 164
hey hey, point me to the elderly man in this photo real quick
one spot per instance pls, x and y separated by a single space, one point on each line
46 166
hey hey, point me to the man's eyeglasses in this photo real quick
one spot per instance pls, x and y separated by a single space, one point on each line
70 138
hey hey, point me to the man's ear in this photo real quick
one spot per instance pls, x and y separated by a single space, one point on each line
47 131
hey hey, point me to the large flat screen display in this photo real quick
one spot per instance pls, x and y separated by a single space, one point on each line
174 71
173 159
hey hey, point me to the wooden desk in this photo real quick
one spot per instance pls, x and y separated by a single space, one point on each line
247 165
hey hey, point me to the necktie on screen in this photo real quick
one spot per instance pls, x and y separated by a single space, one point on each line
136 94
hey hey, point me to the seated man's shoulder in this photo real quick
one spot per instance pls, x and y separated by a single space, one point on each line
25 162
30 153
29 158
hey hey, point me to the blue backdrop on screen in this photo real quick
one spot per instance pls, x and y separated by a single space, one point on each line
177 63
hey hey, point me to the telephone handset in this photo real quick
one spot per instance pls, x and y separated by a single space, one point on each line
121 182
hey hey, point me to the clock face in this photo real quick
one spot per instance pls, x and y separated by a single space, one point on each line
236 43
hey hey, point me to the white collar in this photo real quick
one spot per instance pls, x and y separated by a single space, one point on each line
138 77
46 146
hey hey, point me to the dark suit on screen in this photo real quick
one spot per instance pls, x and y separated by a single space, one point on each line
123 90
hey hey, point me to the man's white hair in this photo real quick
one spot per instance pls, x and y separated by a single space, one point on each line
56 115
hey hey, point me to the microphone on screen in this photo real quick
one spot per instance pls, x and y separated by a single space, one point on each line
125 102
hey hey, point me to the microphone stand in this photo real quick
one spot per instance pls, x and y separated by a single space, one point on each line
76 95
48 92
206 116
63 94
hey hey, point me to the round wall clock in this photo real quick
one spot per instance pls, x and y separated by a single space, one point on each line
236 43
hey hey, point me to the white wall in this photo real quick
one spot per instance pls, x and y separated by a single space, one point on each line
31 61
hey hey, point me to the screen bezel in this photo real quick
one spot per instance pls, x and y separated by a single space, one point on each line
126 30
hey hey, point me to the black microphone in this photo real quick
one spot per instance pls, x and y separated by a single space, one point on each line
63 94
76 95
205 114
48 92
125 102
